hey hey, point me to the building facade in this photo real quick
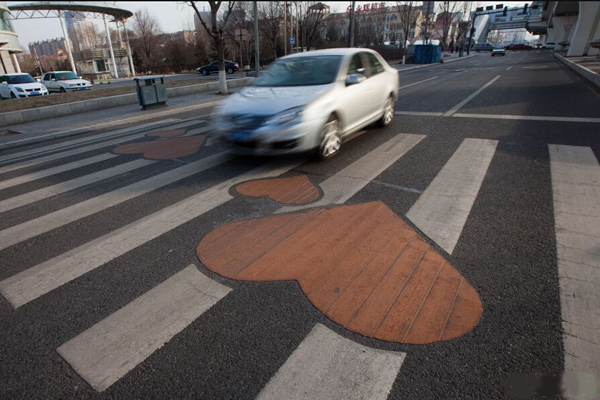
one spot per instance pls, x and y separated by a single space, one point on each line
9 43
48 47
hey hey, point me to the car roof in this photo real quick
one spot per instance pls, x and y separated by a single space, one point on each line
342 51
16 74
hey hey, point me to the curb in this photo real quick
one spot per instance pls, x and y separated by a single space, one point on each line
437 63
588 74
36 114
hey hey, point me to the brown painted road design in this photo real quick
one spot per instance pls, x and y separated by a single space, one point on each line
362 266
170 146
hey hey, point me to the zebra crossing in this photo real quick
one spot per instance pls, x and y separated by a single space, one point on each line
325 364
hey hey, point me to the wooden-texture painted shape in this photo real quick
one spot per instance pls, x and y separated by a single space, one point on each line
164 149
360 265
294 190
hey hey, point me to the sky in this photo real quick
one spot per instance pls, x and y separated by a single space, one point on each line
173 16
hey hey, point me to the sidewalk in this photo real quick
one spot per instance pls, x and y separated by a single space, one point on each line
75 124
586 66
448 57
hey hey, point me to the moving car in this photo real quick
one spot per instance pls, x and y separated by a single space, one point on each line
230 68
309 101
518 46
20 85
498 51
64 81
549 46
483 47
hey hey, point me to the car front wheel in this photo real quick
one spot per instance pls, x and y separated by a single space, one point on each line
330 140
204 72
388 113
230 71
63 90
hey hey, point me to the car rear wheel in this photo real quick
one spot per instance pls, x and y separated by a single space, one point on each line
204 72
230 71
12 96
388 112
63 90
330 140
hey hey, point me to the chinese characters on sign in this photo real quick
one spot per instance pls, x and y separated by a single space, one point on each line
373 7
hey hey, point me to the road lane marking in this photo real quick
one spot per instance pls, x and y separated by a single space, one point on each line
48 222
73 143
509 68
471 97
57 156
328 366
55 170
51 274
416 83
528 118
419 113
576 190
442 210
49 191
110 349
340 187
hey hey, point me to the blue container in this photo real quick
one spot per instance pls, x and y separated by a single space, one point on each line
427 54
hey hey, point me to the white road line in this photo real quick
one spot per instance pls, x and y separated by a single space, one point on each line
110 349
75 142
528 118
442 210
49 191
327 366
509 68
46 223
416 83
55 170
471 97
47 276
346 183
419 113
576 190
57 156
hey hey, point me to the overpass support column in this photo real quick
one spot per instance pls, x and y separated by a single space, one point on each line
586 30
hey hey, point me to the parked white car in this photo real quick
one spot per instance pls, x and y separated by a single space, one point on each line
20 85
307 101
64 81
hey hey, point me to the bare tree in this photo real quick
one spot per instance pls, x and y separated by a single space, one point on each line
216 32
148 36
446 16
408 14
270 22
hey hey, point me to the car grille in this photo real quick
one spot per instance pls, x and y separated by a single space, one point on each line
248 122
33 90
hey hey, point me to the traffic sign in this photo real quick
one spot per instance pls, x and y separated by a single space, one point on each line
292 40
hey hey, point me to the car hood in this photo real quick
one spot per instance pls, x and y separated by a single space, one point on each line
25 86
272 100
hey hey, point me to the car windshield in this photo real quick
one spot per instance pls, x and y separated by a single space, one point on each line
20 79
300 71
63 76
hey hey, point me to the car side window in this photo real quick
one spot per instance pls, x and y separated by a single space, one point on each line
374 64
46 77
2 78
356 65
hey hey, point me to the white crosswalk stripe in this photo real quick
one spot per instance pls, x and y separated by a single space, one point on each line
115 345
442 210
576 189
328 366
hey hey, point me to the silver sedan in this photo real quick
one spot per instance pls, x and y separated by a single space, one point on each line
309 101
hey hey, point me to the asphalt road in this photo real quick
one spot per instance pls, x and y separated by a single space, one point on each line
506 250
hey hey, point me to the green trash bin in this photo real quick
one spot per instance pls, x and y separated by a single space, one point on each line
151 91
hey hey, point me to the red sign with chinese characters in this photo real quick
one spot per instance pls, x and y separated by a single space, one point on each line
373 7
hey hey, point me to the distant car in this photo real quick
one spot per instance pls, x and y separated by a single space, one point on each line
518 46
498 51
64 81
549 45
309 101
230 67
16 86
483 47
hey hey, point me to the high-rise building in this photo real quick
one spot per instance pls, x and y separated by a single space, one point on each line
9 43
48 47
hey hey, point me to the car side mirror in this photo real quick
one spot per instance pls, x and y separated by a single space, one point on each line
353 79
80 77
38 80
53 79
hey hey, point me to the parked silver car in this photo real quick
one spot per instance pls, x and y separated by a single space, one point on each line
309 101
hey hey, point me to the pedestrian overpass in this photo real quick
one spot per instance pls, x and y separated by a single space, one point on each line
492 20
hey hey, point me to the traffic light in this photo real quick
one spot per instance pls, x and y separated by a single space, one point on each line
499 6
479 9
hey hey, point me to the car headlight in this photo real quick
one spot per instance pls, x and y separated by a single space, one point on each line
19 89
285 117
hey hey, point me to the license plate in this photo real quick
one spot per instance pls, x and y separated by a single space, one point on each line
82 88
34 93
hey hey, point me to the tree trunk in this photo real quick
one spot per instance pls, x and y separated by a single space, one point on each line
222 78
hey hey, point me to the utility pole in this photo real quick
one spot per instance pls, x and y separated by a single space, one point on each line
352 24
256 52
285 28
